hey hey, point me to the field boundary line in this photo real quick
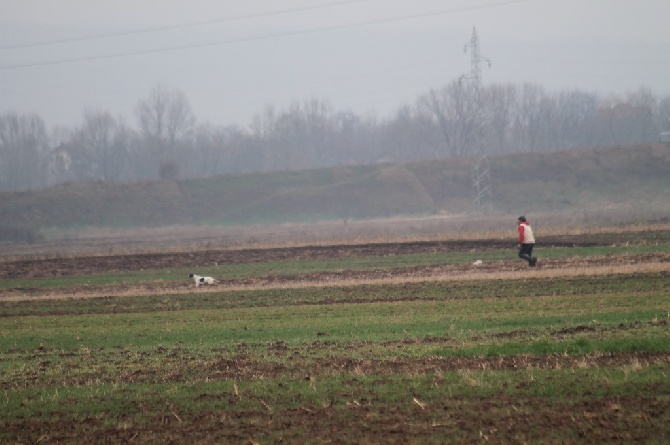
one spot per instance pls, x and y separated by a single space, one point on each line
475 275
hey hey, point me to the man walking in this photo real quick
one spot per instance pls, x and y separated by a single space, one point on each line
526 241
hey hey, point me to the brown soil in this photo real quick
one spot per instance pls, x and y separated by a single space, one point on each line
352 416
86 265
61 267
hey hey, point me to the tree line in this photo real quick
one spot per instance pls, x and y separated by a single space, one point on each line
167 141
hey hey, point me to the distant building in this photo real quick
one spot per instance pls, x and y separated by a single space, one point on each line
665 136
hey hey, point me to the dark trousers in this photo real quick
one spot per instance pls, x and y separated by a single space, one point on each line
526 252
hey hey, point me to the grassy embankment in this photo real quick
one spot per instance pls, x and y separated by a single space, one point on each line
628 179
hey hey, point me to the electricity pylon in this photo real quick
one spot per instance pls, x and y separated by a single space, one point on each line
481 171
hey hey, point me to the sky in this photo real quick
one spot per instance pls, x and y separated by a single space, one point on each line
233 59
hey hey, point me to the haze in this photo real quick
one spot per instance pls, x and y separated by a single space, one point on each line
234 58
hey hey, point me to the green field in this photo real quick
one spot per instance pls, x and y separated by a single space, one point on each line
565 358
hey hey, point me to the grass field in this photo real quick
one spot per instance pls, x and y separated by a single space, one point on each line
345 348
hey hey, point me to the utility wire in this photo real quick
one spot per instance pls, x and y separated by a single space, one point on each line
266 37
188 25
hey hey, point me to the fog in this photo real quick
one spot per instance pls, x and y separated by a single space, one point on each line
234 58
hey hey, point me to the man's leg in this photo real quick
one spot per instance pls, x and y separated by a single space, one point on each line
532 260
525 252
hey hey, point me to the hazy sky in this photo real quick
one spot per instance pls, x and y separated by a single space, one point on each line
233 58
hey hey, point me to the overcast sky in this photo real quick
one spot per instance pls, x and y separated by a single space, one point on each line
233 58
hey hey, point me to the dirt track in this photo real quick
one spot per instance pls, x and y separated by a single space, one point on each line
86 265
60 267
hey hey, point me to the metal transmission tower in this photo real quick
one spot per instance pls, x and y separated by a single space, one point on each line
481 172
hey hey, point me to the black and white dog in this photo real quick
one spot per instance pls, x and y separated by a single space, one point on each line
202 280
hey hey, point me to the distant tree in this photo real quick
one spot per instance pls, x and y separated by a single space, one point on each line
411 135
499 104
573 111
302 132
263 143
98 150
348 131
97 136
165 116
663 117
353 140
530 117
443 122
624 124
165 121
219 150
125 154
647 104
23 148
454 111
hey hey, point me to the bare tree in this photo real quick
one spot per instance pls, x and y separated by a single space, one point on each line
165 120
124 153
624 123
647 105
573 111
221 150
303 133
180 118
412 134
264 133
663 117
23 145
529 117
97 135
309 134
165 116
499 103
454 110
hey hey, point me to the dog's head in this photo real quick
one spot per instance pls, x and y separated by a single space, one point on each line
190 275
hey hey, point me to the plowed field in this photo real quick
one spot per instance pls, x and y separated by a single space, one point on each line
572 351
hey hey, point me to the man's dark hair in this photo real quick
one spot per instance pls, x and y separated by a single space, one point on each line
522 218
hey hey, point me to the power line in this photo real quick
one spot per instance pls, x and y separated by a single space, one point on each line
266 37
188 25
